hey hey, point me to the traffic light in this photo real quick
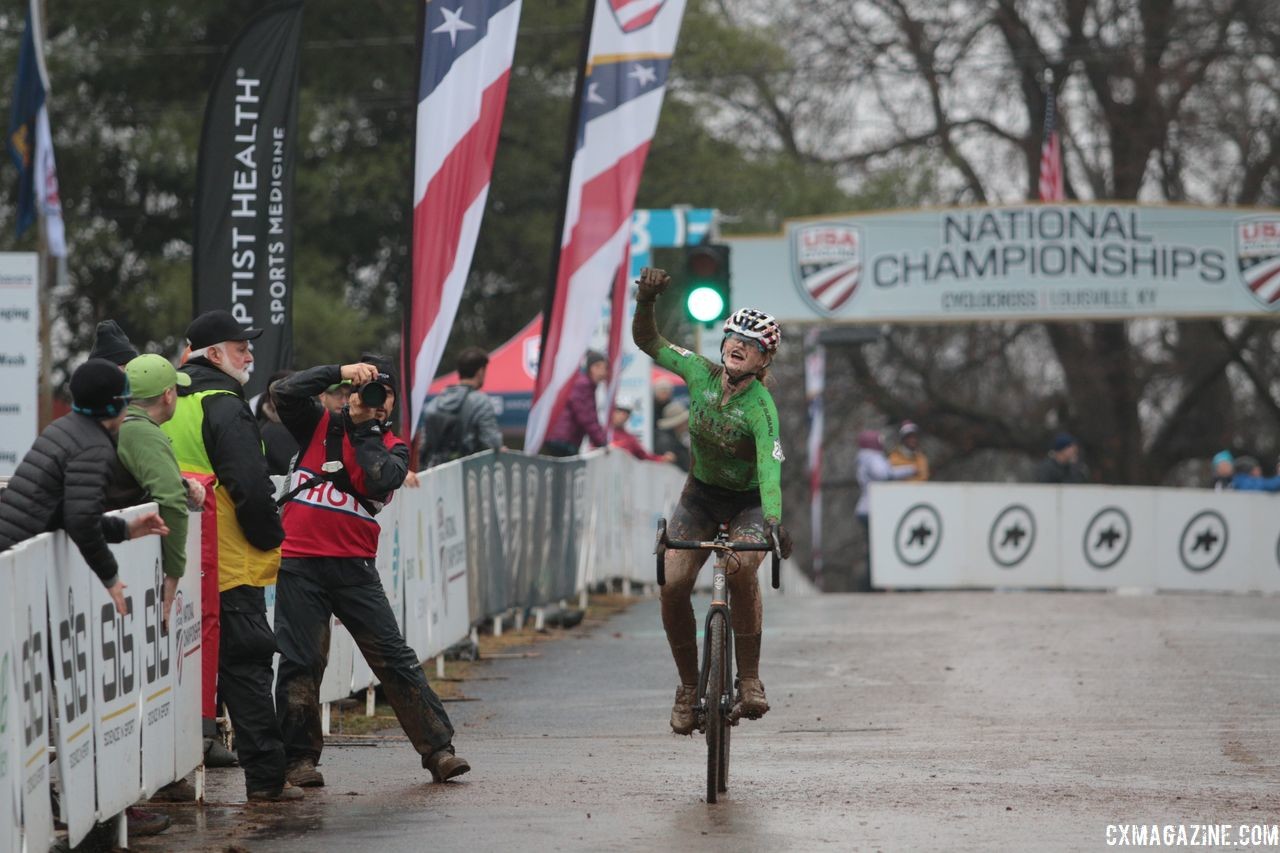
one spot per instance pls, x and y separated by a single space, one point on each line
706 269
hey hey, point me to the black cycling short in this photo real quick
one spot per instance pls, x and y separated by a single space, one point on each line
704 507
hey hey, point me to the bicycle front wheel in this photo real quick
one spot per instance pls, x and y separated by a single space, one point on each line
715 717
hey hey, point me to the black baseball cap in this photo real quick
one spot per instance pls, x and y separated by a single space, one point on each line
214 327
99 389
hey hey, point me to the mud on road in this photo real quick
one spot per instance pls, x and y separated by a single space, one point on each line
958 721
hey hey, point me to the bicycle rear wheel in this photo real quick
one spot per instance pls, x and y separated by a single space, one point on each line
715 717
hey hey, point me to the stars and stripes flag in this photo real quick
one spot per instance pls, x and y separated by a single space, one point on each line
31 143
1051 152
625 78
467 49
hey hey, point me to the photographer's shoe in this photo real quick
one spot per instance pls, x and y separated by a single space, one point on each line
683 718
284 794
444 765
751 703
303 774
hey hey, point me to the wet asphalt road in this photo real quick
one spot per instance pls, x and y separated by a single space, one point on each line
958 721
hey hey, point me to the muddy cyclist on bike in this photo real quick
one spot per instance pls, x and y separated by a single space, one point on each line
735 479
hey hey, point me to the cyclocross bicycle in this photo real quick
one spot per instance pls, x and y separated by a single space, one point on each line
716 682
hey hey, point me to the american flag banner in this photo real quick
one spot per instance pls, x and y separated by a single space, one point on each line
467 49
1051 152
623 83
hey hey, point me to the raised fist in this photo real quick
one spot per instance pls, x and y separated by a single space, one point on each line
651 283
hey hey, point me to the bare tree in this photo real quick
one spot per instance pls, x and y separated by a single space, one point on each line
1160 102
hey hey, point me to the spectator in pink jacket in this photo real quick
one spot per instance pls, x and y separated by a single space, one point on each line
579 417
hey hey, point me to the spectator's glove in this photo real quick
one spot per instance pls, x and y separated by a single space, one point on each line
776 529
651 283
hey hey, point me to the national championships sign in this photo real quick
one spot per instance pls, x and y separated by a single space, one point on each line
1019 262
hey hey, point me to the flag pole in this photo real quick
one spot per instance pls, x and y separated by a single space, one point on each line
44 278
406 297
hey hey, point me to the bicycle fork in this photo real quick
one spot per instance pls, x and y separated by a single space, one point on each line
720 605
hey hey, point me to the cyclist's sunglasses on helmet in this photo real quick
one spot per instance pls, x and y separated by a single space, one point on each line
738 336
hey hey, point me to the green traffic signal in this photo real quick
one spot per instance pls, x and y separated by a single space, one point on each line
706 268
705 303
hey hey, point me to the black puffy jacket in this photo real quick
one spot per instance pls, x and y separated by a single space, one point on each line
61 484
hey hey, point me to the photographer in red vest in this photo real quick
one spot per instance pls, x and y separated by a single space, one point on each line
349 465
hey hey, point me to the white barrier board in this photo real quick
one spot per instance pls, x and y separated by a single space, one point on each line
32 558
158 707
1073 537
10 724
186 662
71 595
118 676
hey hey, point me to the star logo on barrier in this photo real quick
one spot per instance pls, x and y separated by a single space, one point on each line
1012 536
1203 541
453 24
1106 537
918 535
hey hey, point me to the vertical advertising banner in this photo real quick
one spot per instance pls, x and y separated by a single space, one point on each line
19 357
243 256
185 629
32 643
70 593
158 703
118 673
10 725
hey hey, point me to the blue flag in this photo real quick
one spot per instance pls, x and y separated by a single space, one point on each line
28 98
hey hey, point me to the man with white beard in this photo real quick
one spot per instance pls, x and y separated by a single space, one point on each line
217 439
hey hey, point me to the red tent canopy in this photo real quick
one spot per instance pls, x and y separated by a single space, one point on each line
513 367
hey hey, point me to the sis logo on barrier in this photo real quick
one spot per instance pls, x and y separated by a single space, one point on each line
1258 255
827 264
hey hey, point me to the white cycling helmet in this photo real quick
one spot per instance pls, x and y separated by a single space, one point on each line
756 325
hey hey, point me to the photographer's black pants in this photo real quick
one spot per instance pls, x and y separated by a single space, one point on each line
308 591
244 682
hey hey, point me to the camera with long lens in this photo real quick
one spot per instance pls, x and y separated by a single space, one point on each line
374 394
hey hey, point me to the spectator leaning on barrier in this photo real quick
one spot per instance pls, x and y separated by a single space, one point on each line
624 440
215 436
148 468
908 452
335 397
1062 464
351 463
579 417
461 420
62 480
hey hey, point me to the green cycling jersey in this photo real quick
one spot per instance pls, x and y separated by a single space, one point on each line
736 444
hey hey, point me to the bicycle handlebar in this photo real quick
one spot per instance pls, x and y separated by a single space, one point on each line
663 543
693 544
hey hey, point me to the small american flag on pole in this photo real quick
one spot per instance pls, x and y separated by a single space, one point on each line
1050 151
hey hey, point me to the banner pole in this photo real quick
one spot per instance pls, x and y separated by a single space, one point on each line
406 297
44 279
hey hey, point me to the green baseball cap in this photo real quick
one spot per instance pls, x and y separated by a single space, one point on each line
151 375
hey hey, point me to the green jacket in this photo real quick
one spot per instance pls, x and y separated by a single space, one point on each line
145 452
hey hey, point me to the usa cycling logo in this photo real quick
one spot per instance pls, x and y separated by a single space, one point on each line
634 15
1258 253
827 264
